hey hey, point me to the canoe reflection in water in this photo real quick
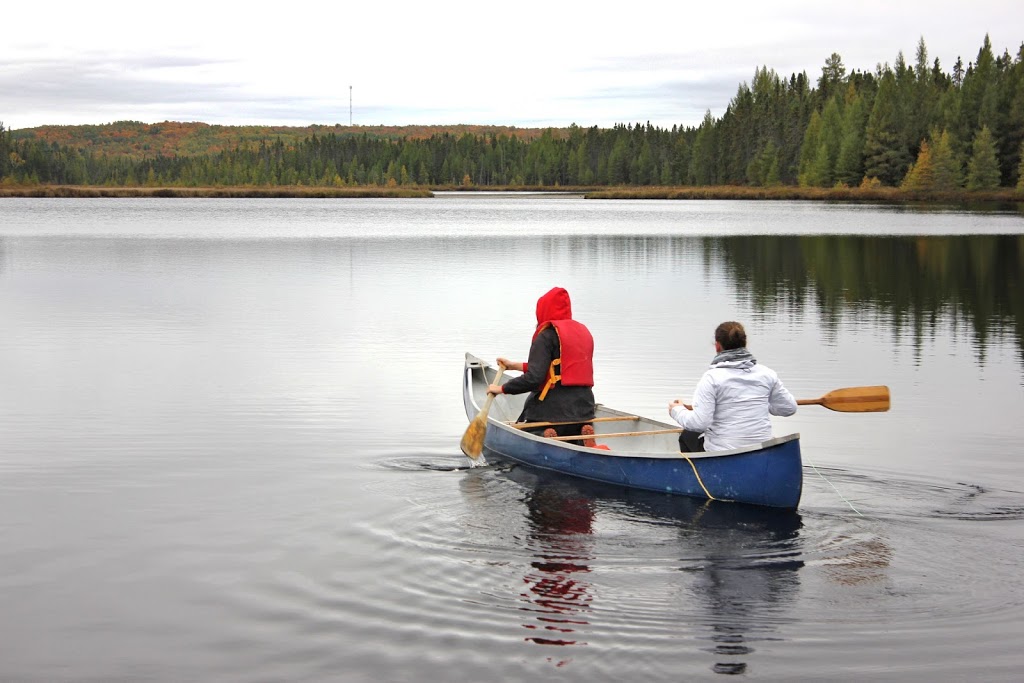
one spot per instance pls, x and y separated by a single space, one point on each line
744 562
559 596
670 571
749 579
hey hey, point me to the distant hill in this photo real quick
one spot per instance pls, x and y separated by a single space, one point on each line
171 138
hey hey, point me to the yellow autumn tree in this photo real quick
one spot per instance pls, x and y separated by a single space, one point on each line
921 175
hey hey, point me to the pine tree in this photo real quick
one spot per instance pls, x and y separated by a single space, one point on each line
772 175
763 169
679 154
958 72
5 152
850 161
976 103
983 168
1013 129
832 75
947 169
796 112
885 155
705 148
924 99
1020 170
829 142
809 152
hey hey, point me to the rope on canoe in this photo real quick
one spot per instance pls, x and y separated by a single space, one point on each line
814 467
699 481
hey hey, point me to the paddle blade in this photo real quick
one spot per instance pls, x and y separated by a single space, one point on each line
855 400
472 443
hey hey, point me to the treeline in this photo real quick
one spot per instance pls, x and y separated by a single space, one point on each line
173 138
908 125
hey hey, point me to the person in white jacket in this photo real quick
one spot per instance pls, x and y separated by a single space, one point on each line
733 399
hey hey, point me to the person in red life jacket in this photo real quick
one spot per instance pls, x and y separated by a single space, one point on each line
559 373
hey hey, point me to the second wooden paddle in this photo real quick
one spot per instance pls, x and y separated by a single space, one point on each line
853 400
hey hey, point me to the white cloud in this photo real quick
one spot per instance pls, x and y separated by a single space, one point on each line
526 64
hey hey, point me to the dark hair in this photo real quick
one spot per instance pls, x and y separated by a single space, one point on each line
731 335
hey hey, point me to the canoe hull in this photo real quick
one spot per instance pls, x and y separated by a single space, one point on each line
770 474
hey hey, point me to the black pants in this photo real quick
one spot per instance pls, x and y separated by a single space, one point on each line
691 442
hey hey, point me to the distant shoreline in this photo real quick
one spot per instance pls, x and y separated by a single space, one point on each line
719 192
291 191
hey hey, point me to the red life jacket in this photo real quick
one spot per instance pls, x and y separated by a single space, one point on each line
575 367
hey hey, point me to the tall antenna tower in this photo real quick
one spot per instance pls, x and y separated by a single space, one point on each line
350 106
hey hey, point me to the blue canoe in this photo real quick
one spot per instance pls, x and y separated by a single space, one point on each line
769 474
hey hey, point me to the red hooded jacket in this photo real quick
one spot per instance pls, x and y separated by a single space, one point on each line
554 309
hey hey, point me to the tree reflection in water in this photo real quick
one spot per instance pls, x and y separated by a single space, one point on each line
915 281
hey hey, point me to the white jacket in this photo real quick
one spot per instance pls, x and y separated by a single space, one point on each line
731 406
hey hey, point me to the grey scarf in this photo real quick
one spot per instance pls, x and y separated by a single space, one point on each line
734 358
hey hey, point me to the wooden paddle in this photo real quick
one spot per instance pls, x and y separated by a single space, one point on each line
848 400
853 400
473 440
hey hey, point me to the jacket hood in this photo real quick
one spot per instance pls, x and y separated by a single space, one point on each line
737 359
554 305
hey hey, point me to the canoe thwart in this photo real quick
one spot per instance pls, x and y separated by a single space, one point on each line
531 425
614 434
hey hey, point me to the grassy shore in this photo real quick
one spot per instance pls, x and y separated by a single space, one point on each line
843 194
849 194
571 189
290 191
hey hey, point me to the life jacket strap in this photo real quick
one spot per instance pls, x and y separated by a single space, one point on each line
553 379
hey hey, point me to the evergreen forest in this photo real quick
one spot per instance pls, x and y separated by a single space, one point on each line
906 125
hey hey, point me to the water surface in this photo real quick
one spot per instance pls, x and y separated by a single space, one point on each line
230 442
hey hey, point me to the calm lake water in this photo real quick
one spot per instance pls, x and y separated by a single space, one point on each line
229 443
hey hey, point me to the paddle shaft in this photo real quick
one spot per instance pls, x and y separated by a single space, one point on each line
490 397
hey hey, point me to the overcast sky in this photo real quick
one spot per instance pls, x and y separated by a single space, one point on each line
525 63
